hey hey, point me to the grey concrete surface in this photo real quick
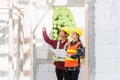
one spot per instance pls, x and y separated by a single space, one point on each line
46 71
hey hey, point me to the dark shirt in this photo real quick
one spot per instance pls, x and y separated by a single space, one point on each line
53 43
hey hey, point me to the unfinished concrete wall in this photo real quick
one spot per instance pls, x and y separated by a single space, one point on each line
91 40
107 39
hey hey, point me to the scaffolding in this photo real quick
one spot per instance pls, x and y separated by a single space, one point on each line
17 55
16 44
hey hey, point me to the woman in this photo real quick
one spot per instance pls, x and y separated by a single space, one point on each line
58 44
74 51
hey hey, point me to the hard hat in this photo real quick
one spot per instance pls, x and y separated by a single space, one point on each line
78 31
66 29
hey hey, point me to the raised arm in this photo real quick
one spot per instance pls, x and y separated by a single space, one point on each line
46 37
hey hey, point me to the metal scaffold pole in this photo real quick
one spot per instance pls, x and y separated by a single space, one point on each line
11 42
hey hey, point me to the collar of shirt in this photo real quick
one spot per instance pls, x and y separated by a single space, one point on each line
61 46
73 43
64 42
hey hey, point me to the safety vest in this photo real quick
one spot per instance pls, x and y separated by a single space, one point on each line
57 47
70 62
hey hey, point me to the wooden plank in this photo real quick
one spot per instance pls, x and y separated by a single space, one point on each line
86 40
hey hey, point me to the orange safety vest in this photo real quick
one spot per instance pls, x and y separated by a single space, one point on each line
70 62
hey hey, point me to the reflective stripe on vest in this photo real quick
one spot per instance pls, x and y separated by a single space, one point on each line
69 62
71 51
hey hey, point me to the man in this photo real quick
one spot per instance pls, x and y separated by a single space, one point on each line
58 44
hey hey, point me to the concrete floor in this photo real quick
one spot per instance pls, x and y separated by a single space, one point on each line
46 72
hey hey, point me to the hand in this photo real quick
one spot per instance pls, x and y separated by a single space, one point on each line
53 53
68 55
44 28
